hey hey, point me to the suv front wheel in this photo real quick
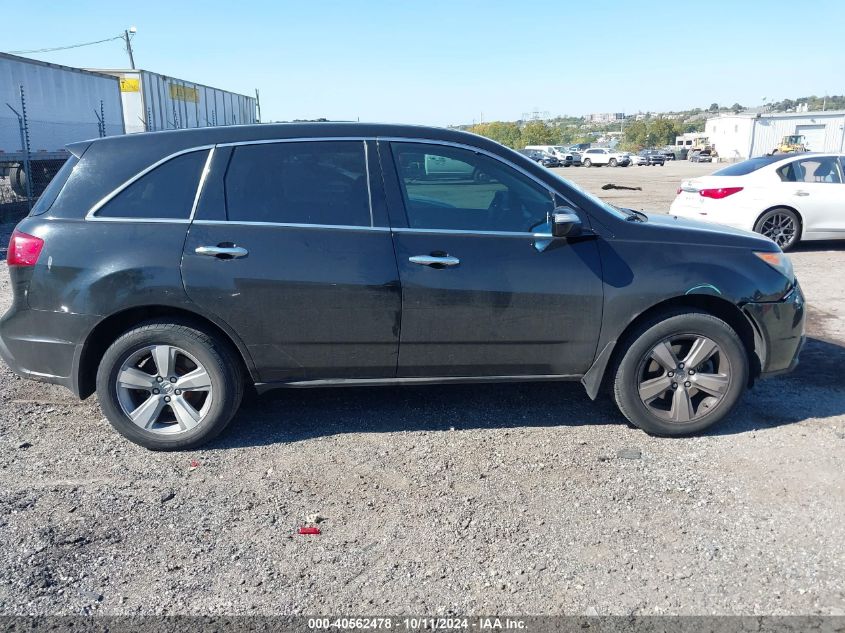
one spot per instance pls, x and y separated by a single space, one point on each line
682 372
169 386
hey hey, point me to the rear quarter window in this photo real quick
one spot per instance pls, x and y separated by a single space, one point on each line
165 193
49 195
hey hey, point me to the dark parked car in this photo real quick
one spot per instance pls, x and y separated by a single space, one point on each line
703 156
544 159
171 271
650 157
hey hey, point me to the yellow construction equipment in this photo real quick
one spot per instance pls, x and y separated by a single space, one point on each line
792 143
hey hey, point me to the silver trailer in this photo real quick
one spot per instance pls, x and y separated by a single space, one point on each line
43 107
154 102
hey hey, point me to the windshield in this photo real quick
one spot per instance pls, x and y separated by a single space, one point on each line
598 201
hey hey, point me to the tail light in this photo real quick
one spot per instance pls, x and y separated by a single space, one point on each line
680 189
718 194
24 249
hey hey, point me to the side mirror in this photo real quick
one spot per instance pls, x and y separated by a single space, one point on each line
564 222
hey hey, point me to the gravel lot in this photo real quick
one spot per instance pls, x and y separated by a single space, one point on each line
512 499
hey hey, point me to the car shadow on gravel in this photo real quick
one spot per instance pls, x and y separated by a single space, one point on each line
286 416
821 245
799 399
292 415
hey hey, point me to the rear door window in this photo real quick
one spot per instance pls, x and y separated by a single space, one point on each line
822 169
165 193
308 182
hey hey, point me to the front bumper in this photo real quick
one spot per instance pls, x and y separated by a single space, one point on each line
779 332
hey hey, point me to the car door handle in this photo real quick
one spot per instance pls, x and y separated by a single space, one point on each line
435 261
223 252
802 193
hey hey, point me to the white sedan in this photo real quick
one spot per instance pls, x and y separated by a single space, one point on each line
786 198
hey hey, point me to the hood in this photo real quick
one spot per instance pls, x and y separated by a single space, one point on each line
674 229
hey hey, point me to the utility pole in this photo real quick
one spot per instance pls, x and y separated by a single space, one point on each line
128 41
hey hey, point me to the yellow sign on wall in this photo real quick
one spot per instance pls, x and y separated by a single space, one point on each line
184 93
130 85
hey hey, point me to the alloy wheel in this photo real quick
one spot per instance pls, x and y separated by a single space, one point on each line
163 389
684 378
780 228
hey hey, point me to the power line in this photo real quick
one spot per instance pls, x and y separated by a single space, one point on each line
64 48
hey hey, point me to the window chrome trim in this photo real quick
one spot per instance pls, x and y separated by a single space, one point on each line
489 154
201 184
544 236
294 225
369 190
91 215
298 139
382 229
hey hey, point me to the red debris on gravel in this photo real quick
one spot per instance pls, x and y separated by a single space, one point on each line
309 530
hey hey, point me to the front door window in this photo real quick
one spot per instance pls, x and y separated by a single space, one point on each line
452 188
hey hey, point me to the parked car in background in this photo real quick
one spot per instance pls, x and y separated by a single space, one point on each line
670 154
701 156
598 156
564 156
787 198
307 255
651 157
543 158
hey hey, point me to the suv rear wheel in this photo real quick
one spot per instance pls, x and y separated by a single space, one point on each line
169 386
613 162
682 372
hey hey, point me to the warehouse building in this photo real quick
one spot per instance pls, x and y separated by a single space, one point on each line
745 135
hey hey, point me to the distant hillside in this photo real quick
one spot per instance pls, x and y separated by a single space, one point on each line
831 102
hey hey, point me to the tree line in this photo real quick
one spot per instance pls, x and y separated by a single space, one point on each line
516 136
636 135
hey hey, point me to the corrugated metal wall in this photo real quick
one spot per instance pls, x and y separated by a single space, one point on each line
743 137
172 103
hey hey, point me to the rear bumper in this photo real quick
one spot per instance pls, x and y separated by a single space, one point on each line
779 331
52 355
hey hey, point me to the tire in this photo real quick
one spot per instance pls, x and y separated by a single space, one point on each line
42 171
781 225
587 163
612 162
638 371
204 410
17 180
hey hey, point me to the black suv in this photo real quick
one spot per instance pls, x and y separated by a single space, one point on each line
171 271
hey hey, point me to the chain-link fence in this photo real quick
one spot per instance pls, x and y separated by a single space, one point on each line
32 148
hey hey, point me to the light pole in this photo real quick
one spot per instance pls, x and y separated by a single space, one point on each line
126 36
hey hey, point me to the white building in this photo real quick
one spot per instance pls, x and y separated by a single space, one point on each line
604 117
744 135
